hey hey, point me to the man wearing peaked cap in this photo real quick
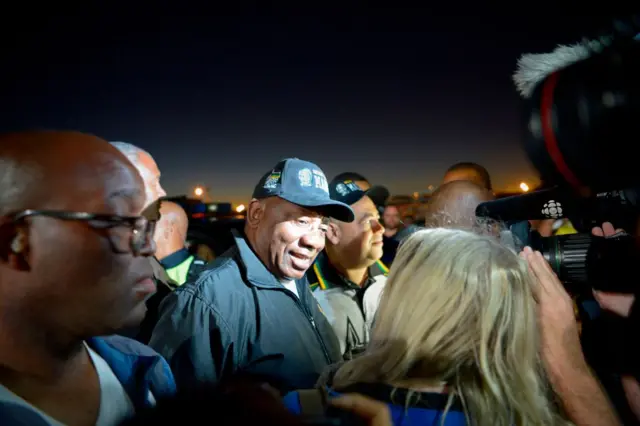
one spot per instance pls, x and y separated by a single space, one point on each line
252 311
348 277
379 194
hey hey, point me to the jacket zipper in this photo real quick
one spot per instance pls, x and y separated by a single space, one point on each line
324 347
312 321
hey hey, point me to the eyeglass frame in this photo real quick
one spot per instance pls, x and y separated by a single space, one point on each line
111 220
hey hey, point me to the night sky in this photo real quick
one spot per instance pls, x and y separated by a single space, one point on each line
397 95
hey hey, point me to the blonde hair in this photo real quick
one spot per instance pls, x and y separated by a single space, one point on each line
458 308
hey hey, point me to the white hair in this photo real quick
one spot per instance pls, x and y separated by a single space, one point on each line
130 151
533 68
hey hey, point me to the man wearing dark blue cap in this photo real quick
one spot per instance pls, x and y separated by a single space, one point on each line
252 311
348 277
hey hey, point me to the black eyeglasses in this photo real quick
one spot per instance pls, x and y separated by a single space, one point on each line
137 240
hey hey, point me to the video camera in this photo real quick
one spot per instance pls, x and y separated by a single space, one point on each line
582 117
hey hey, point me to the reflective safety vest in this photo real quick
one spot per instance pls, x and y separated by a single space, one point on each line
565 229
183 267
187 271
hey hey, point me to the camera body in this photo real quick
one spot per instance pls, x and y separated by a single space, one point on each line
582 118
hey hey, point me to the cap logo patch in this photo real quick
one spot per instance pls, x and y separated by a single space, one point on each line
272 181
305 177
351 186
321 181
342 189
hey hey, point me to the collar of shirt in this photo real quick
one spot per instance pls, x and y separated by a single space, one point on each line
175 258
326 276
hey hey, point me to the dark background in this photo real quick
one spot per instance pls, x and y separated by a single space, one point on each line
219 97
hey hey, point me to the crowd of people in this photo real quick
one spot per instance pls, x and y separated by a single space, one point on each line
326 309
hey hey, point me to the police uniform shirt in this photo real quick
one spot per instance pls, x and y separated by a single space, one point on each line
350 308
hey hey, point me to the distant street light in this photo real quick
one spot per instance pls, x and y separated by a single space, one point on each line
524 187
240 208
198 191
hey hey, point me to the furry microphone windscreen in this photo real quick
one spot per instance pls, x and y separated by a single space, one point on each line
532 68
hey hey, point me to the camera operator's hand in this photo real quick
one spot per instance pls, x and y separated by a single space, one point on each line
619 304
558 325
566 366
607 230
374 413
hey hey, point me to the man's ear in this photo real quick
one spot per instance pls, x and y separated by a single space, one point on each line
255 212
14 245
333 232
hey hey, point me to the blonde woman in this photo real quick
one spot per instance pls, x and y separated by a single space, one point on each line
456 340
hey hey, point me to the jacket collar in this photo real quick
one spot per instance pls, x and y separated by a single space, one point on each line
328 276
254 270
139 373
175 258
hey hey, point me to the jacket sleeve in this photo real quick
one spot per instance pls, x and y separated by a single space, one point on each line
195 339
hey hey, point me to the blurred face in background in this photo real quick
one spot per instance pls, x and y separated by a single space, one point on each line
391 217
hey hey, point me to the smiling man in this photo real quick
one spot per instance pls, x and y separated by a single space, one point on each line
348 277
251 311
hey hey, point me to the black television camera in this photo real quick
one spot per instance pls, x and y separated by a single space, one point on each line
582 119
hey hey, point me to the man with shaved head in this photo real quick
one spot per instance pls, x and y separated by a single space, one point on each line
170 237
74 243
468 171
453 205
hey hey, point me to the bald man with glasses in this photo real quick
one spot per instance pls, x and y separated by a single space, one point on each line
75 238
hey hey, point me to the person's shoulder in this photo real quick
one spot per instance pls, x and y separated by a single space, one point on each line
216 288
122 355
223 269
380 280
124 345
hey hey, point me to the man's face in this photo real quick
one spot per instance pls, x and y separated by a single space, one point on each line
360 242
78 281
151 176
391 217
289 237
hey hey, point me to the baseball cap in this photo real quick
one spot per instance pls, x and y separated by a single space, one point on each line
348 192
304 184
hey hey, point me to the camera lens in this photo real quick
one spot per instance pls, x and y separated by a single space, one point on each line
583 262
